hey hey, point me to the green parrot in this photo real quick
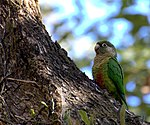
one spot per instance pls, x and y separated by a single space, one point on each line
108 74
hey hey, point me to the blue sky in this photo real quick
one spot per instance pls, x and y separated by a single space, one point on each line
95 10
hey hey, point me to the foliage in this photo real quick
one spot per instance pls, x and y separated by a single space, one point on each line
85 118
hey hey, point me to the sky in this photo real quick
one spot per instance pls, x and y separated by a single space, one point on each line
92 11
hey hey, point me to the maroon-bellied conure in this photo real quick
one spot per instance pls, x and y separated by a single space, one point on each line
108 74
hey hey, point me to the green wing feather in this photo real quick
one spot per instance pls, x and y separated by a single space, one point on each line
115 73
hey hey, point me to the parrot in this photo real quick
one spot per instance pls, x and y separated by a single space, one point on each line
108 74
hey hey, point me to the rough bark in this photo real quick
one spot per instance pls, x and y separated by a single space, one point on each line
39 83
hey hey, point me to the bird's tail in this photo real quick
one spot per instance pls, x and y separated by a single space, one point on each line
122 114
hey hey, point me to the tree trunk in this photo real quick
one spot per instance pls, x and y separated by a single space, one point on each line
39 83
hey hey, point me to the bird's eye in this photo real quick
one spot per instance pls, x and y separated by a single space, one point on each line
104 45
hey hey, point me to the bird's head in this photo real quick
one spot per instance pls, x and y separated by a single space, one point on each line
104 48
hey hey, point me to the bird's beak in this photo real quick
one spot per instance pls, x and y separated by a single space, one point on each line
96 47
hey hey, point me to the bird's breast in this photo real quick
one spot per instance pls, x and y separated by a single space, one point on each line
100 71
100 80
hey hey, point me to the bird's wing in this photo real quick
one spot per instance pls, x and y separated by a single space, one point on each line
115 73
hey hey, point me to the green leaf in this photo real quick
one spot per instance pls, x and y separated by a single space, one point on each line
84 117
32 112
